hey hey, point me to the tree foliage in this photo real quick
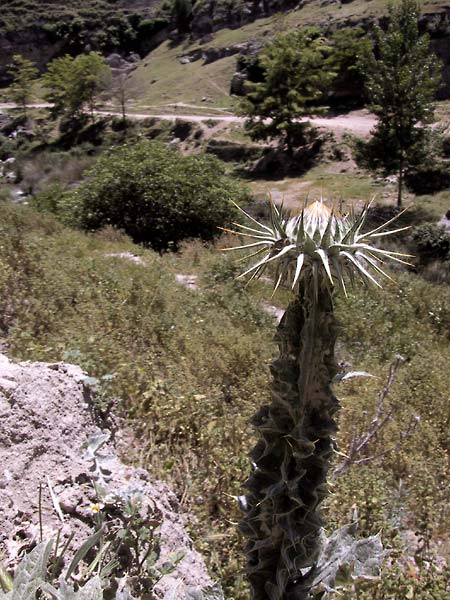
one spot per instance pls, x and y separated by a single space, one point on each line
297 73
23 73
182 14
155 194
402 80
349 47
73 84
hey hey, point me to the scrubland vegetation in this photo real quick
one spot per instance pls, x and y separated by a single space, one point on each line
167 207
191 366
187 366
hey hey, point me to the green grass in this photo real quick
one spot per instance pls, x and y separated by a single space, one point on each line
161 79
351 185
5 193
311 13
190 367
322 181
433 206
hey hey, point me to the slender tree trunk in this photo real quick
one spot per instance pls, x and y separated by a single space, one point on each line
25 111
400 184
291 459
289 143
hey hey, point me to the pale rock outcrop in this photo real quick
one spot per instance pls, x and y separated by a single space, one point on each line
46 417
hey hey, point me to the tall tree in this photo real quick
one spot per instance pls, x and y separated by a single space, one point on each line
349 46
73 84
403 75
93 76
296 76
23 73
59 85
120 92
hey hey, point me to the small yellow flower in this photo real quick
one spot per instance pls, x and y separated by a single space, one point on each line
97 507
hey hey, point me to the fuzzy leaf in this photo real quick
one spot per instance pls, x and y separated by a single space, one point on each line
351 375
31 572
92 590
213 592
344 559
95 442
124 595
178 590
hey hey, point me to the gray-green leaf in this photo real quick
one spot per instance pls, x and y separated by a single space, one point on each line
344 559
31 572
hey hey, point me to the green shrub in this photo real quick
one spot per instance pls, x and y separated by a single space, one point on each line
429 179
49 199
6 147
431 242
156 195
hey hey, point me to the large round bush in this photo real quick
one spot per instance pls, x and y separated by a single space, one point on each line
157 195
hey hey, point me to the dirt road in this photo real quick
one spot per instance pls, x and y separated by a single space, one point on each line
359 123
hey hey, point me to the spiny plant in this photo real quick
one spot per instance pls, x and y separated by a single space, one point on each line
317 253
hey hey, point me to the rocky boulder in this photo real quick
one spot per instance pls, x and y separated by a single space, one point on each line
237 84
212 15
58 454
232 151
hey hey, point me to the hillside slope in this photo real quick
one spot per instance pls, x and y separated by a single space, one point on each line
212 15
202 67
42 30
191 365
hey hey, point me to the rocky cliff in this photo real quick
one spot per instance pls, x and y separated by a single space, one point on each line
42 30
48 29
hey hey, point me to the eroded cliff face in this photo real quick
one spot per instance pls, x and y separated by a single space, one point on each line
147 25
34 45
209 16
437 24
41 30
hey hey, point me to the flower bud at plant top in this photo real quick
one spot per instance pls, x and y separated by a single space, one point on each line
319 243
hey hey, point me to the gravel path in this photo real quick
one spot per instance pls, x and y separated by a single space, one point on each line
359 123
